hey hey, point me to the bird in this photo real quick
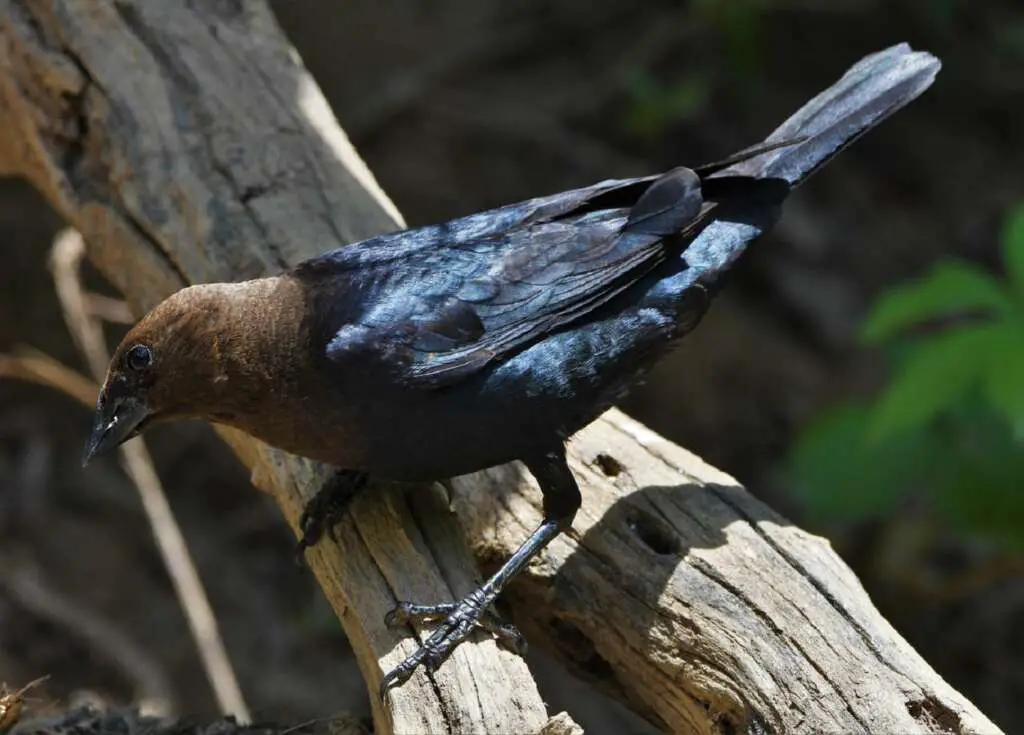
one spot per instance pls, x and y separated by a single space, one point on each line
432 352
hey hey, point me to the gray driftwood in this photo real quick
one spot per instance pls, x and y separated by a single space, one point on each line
187 143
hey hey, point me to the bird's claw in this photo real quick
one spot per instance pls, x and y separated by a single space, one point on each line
316 518
326 509
459 621
485 619
406 612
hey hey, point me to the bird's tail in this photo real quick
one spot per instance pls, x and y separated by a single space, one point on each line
871 90
748 188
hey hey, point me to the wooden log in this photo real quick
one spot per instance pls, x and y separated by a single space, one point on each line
188 144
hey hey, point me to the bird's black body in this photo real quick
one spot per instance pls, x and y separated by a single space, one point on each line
489 337
515 328
496 336
443 350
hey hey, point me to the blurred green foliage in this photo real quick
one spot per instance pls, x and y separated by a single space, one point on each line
940 14
738 25
735 26
950 420
1009 39
654 106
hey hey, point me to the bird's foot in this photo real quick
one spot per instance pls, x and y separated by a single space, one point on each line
458 621
487 620
327 508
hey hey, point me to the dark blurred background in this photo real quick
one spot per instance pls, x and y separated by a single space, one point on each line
863 372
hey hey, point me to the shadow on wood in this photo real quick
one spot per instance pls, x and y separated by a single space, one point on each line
682 595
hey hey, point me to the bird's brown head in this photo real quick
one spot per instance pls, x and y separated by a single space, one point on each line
164 367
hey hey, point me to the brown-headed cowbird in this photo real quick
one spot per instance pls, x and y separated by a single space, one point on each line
439 351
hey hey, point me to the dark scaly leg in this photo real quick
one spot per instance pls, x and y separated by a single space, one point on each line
561 501
328 507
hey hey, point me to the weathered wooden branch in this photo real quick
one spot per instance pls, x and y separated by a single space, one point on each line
187 143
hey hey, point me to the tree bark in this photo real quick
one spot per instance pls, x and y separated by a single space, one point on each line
188 144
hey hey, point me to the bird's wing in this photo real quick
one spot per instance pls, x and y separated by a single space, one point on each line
443 313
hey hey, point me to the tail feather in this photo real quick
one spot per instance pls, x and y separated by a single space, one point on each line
746 154
871 90
761 176
751 190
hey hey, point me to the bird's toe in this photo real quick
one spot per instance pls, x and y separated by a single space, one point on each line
458 622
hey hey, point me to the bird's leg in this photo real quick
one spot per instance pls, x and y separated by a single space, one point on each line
460 619
328 507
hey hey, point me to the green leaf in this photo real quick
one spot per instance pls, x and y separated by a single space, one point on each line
979 488
1009 40
1013 249
935 374
949 288
1004 386
688 97
654 106
838 475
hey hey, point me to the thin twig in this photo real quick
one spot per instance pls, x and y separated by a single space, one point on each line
107 309
65 262
35 367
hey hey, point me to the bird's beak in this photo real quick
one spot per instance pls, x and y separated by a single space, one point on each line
117 419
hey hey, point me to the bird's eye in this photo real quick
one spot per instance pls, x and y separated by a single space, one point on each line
138 358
